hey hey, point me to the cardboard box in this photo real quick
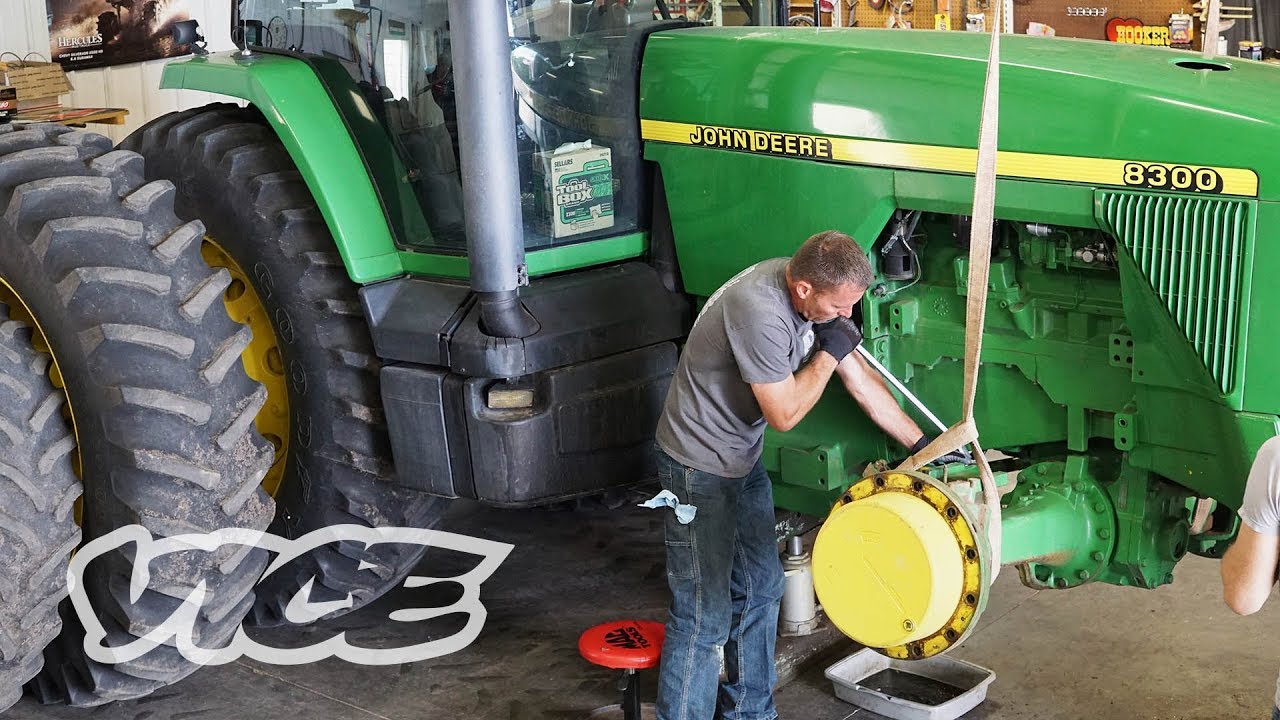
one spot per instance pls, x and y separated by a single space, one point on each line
574 186
38 84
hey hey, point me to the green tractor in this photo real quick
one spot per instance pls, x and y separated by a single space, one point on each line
459 243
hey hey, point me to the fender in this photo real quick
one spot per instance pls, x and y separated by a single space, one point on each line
304 114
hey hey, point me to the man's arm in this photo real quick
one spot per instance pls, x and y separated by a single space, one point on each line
786 402
1249 570
872 394
1249 566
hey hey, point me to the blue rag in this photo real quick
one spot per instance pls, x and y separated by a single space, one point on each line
666 498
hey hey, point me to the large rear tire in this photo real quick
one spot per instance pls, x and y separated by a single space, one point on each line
162 409
231 169
38 491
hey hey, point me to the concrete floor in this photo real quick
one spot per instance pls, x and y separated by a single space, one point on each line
1093 652
1101 651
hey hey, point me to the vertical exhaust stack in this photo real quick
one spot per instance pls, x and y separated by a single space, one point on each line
490 174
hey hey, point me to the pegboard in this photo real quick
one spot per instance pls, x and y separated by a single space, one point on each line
1054 14
920 16
1050 12
922 12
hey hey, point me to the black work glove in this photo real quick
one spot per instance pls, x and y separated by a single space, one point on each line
954 456
837 337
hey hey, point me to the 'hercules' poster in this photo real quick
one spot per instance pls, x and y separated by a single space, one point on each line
95 33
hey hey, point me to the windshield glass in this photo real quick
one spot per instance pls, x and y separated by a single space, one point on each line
575 65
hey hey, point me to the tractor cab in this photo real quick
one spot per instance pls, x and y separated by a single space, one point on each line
574 68
499 217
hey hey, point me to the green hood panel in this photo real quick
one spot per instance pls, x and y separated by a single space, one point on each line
1080 98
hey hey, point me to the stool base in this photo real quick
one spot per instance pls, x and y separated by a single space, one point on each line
648 711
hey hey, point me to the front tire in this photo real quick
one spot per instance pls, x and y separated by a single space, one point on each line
161 406
38 491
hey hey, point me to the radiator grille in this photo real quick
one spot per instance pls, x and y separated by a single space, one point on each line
1191 250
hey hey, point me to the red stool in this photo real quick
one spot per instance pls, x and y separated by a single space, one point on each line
627 645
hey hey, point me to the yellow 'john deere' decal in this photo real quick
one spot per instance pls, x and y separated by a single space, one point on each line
774 143
1067 168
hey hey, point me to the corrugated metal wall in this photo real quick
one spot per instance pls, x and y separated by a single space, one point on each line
24 28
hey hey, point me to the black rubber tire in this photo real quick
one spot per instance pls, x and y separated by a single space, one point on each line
231 169
38 490
163 409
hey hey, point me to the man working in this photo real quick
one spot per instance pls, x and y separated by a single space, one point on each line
1249 567
741 368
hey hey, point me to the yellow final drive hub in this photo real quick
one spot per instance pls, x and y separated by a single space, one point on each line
897 566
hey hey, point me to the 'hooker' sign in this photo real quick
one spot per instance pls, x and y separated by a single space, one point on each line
1133 32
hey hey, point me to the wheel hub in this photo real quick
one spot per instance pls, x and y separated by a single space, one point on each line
898 566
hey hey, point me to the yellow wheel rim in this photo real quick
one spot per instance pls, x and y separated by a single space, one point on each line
262 359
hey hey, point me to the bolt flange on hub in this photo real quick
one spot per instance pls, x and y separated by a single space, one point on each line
901 566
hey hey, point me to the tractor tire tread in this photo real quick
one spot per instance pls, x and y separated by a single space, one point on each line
228 164
107 267
37 534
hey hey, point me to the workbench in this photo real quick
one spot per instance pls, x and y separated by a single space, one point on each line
73 116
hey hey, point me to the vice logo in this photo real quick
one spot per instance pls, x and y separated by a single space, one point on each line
179 628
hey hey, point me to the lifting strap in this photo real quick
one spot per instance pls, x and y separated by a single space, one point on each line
965 432
1212 29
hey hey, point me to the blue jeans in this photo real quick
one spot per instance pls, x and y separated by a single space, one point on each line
1275 713
726 584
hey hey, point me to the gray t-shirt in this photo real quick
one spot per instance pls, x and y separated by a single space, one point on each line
1260 509
748 332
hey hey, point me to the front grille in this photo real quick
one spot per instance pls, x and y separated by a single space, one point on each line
1191 250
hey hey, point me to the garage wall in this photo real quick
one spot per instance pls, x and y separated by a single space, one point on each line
24 28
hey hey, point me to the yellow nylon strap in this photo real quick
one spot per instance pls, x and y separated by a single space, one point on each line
957 436
965 431
1212 29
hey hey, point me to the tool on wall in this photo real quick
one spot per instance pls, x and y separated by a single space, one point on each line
1227 12
1181 30
895 19
1227 17
942 16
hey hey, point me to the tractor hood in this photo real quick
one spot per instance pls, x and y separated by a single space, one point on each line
1059 99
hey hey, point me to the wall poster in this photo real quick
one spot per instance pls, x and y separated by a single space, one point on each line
97 33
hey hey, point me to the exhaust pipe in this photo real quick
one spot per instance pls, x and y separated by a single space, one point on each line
490 174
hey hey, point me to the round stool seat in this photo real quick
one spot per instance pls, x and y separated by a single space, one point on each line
623 644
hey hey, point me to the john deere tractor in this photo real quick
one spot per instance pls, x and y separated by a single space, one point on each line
450 249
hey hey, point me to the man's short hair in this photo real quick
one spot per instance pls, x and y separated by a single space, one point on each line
829 260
